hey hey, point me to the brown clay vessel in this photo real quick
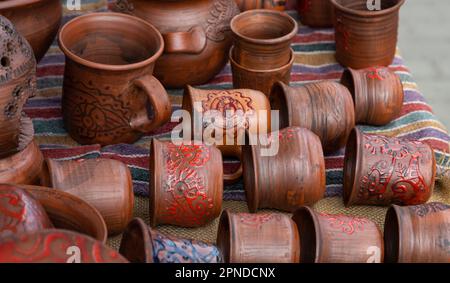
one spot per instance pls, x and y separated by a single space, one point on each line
315 13
245 5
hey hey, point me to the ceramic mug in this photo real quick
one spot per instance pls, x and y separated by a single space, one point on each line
109 93
245 5
315 13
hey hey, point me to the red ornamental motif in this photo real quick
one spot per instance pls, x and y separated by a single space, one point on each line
284 135
345 33
347 224
257 220
376 74
12 209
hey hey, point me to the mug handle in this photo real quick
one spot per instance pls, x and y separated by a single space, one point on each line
160 101
190 42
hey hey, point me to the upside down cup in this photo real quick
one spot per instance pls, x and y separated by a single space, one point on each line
315 13
328 238
381 171
258 238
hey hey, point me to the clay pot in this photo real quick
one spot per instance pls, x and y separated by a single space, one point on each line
258 238
196 34
23 167
230 111
109 94
288 178
315 13
365 38
141 244
418 234
245 5
17 84
325 108
328 238
186 184
28 18
20 212
56 246
381 171
103 183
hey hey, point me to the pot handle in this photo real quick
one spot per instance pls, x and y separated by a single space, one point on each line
191 42
159 99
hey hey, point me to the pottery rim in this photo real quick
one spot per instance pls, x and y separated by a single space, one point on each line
144 231
251 185
18 3
392 234
155 151
361 13
288 65
281 89
352 160
225 236
152 59
300 215
348 79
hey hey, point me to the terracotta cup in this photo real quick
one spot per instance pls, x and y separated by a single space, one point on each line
315 13
104 183
245 5
258 238
377 94
109 93
418 234
141 244
328 238
231 112
381 171
287 178
325 108
20 212
366 38
56 246
186 184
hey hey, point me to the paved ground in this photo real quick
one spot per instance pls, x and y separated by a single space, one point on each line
425 45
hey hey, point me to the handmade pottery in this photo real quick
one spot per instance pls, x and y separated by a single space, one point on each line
17 84
381 171
377 94
325 108
56 246
245 5
290 175
109 94
141 244
258 238
418 234
329 238
37 20
365 38
186 184
103 183
196 33
315 13
20 212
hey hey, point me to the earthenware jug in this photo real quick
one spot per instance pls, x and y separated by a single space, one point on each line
186 184
326 108
330 238
109 93
315 13
245 5
258 238
196 34
381 171
418 234
286 173
377 94
141 244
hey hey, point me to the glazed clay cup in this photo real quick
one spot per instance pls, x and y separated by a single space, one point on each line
328 238
377 94
292 177
418 234
316 13
365 38
381 171
103 183
245 5
325 108
186 184
258 238
110 95
141 244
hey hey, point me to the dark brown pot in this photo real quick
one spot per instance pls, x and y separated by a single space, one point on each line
316 13
325 108
186 184
141 244
365 38
418 234
258 238
377 93
37 20
328 238
381 171
292 177
245 5
196 33
109 93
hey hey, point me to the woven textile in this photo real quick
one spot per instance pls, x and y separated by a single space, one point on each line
314 61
